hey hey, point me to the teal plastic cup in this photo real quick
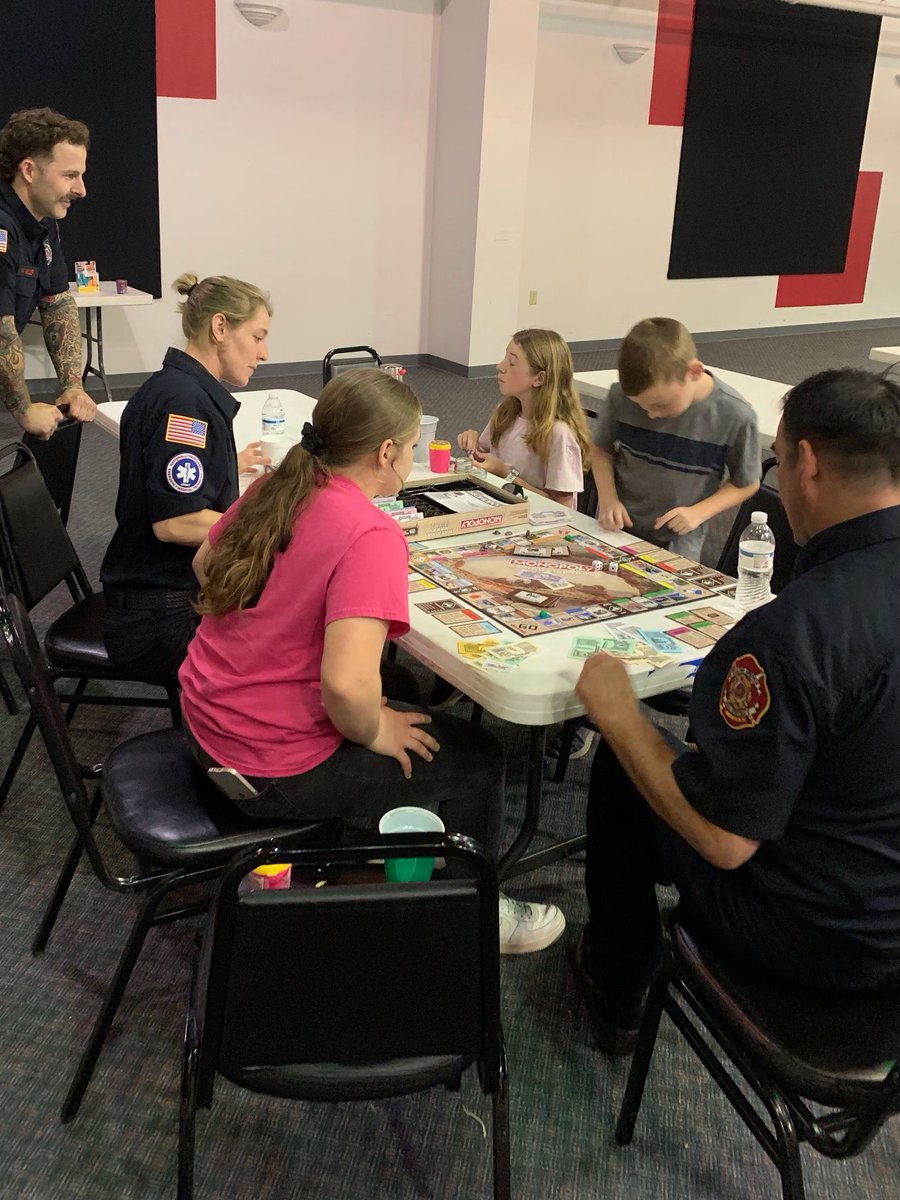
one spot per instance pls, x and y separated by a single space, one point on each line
409 820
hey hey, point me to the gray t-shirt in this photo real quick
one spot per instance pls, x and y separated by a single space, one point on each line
670 462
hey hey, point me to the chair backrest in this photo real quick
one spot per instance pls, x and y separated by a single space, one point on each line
768 501
588 499
356 976
36 553
328 367
57 460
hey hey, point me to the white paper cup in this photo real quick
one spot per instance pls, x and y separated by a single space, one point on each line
427 430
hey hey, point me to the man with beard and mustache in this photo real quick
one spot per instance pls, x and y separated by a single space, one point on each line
42 162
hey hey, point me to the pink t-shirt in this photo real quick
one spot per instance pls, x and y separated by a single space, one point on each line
251 691
562 471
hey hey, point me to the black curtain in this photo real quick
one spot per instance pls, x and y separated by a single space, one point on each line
95 61
774 121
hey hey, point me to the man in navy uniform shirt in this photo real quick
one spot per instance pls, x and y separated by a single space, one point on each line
42 163
781 826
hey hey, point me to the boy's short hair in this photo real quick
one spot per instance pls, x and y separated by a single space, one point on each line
33 133
656 350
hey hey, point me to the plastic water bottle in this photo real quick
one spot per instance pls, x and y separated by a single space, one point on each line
756 559
273 417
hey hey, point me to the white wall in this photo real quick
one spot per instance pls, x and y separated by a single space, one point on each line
601 193
308 176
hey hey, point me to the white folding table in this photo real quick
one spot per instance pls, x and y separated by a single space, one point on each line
885 354
92 302
763 395
541 691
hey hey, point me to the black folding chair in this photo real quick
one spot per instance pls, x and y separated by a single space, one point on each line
36 556
372 990
824 1065
329 366
57 461
180 828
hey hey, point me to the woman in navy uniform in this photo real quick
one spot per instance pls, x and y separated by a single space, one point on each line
178 473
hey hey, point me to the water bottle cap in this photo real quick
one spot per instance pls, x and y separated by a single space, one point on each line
759 518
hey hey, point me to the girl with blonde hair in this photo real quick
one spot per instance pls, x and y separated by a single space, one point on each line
537 435
302 582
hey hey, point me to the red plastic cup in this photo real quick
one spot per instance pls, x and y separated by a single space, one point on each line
439 457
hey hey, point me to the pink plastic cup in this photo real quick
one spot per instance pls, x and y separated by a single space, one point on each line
439 457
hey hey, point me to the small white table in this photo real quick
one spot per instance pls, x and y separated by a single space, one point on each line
107 297
763 395
248 421
885 354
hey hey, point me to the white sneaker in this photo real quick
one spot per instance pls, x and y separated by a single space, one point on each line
527 927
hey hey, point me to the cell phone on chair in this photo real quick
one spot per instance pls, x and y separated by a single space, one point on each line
232 783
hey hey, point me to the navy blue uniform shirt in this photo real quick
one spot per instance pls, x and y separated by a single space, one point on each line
177 456
31 259
796 716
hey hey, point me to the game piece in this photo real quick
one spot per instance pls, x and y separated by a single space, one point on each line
542 613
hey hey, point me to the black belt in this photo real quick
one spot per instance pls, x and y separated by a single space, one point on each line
157 598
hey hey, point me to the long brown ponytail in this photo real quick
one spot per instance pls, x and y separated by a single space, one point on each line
356 412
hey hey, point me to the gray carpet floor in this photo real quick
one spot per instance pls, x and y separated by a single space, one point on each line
564 1094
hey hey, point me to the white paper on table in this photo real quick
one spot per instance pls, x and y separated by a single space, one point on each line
463 501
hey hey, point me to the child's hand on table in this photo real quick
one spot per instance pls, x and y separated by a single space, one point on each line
679 520
614 517
467 440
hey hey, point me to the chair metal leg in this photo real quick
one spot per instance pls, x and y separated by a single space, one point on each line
17 755
187 1113
114 993
566 738
66 875
80 689
500 1119
8 698
789 1165
640 1062
174 706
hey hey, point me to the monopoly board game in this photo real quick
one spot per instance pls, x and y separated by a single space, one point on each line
545 580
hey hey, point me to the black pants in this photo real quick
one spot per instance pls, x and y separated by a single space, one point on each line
629 850
464 783
150 644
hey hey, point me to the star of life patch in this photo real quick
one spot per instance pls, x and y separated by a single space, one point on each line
4 241
187 431
745 697
184 473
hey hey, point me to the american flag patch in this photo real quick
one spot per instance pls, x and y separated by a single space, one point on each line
186 431
4 241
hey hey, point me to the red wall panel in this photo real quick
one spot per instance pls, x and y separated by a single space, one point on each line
671 62
186 48
849 285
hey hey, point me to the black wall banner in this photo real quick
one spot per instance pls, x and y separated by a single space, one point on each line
774 120
95 61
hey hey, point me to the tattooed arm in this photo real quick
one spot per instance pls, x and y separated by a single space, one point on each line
34 418
62 334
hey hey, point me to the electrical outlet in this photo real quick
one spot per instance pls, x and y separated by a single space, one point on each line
532 297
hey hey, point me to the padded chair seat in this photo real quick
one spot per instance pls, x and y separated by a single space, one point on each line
341 1081
167 812
843 1043
75 640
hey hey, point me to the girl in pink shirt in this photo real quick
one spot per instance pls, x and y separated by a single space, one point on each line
538 435
302 581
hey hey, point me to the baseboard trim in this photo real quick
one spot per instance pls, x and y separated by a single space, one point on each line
46 387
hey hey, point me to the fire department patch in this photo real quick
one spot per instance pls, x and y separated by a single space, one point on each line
745 698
